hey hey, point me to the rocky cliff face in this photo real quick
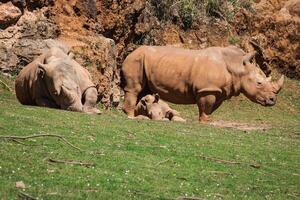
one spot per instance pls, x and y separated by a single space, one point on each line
274 26
102 33
26 26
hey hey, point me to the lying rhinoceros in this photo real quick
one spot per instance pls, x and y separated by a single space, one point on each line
55 80
206 77
152 107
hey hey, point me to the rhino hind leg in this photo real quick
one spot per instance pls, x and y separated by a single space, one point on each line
206 104
90 101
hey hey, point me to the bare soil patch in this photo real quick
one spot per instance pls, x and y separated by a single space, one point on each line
239 126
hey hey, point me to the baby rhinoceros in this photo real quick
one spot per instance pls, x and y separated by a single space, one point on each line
56 80
151 107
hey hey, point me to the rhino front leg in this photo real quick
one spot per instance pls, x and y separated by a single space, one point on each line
44 102
90 101
130 103
206 106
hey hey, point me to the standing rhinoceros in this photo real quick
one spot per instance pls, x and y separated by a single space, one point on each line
55 80
206 77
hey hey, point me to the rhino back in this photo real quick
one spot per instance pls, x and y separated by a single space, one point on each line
83 76
177 74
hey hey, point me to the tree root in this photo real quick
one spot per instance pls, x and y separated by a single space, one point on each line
254 165
14 138
74 162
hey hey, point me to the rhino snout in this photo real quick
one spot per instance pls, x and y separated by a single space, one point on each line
271 101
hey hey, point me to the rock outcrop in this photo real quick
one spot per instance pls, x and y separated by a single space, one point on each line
26 35
275 28
9 14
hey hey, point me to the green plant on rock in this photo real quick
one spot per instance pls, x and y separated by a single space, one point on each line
234 40
188 12
213 8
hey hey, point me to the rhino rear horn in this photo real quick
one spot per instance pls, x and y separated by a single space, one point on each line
278 85
248 57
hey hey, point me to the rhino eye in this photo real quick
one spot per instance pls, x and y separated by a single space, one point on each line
259 83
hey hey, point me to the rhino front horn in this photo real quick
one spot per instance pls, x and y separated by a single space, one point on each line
279 84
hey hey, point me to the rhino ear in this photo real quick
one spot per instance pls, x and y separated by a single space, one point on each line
41 71
157 97
143 102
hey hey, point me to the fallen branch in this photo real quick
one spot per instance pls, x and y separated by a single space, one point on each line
219 172
189 198
23 195
228 161
16 141
74 162
6 86
39 135
161 162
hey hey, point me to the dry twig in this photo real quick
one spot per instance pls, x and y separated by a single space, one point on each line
23 195
74 162
189 198
228 161
39 135
161 162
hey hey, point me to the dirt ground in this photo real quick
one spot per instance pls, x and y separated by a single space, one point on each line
239 126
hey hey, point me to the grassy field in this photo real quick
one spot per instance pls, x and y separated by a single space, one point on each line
152 160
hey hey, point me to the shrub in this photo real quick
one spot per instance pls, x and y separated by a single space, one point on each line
213 8
234 40
188 12
170 10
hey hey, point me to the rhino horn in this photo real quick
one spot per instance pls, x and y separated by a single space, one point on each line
248 57
278 84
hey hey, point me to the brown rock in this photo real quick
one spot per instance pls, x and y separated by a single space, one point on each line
9 14
22 42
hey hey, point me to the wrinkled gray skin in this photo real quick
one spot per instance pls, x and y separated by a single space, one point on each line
151 107
55 80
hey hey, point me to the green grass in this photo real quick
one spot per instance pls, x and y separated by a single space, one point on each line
153 160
